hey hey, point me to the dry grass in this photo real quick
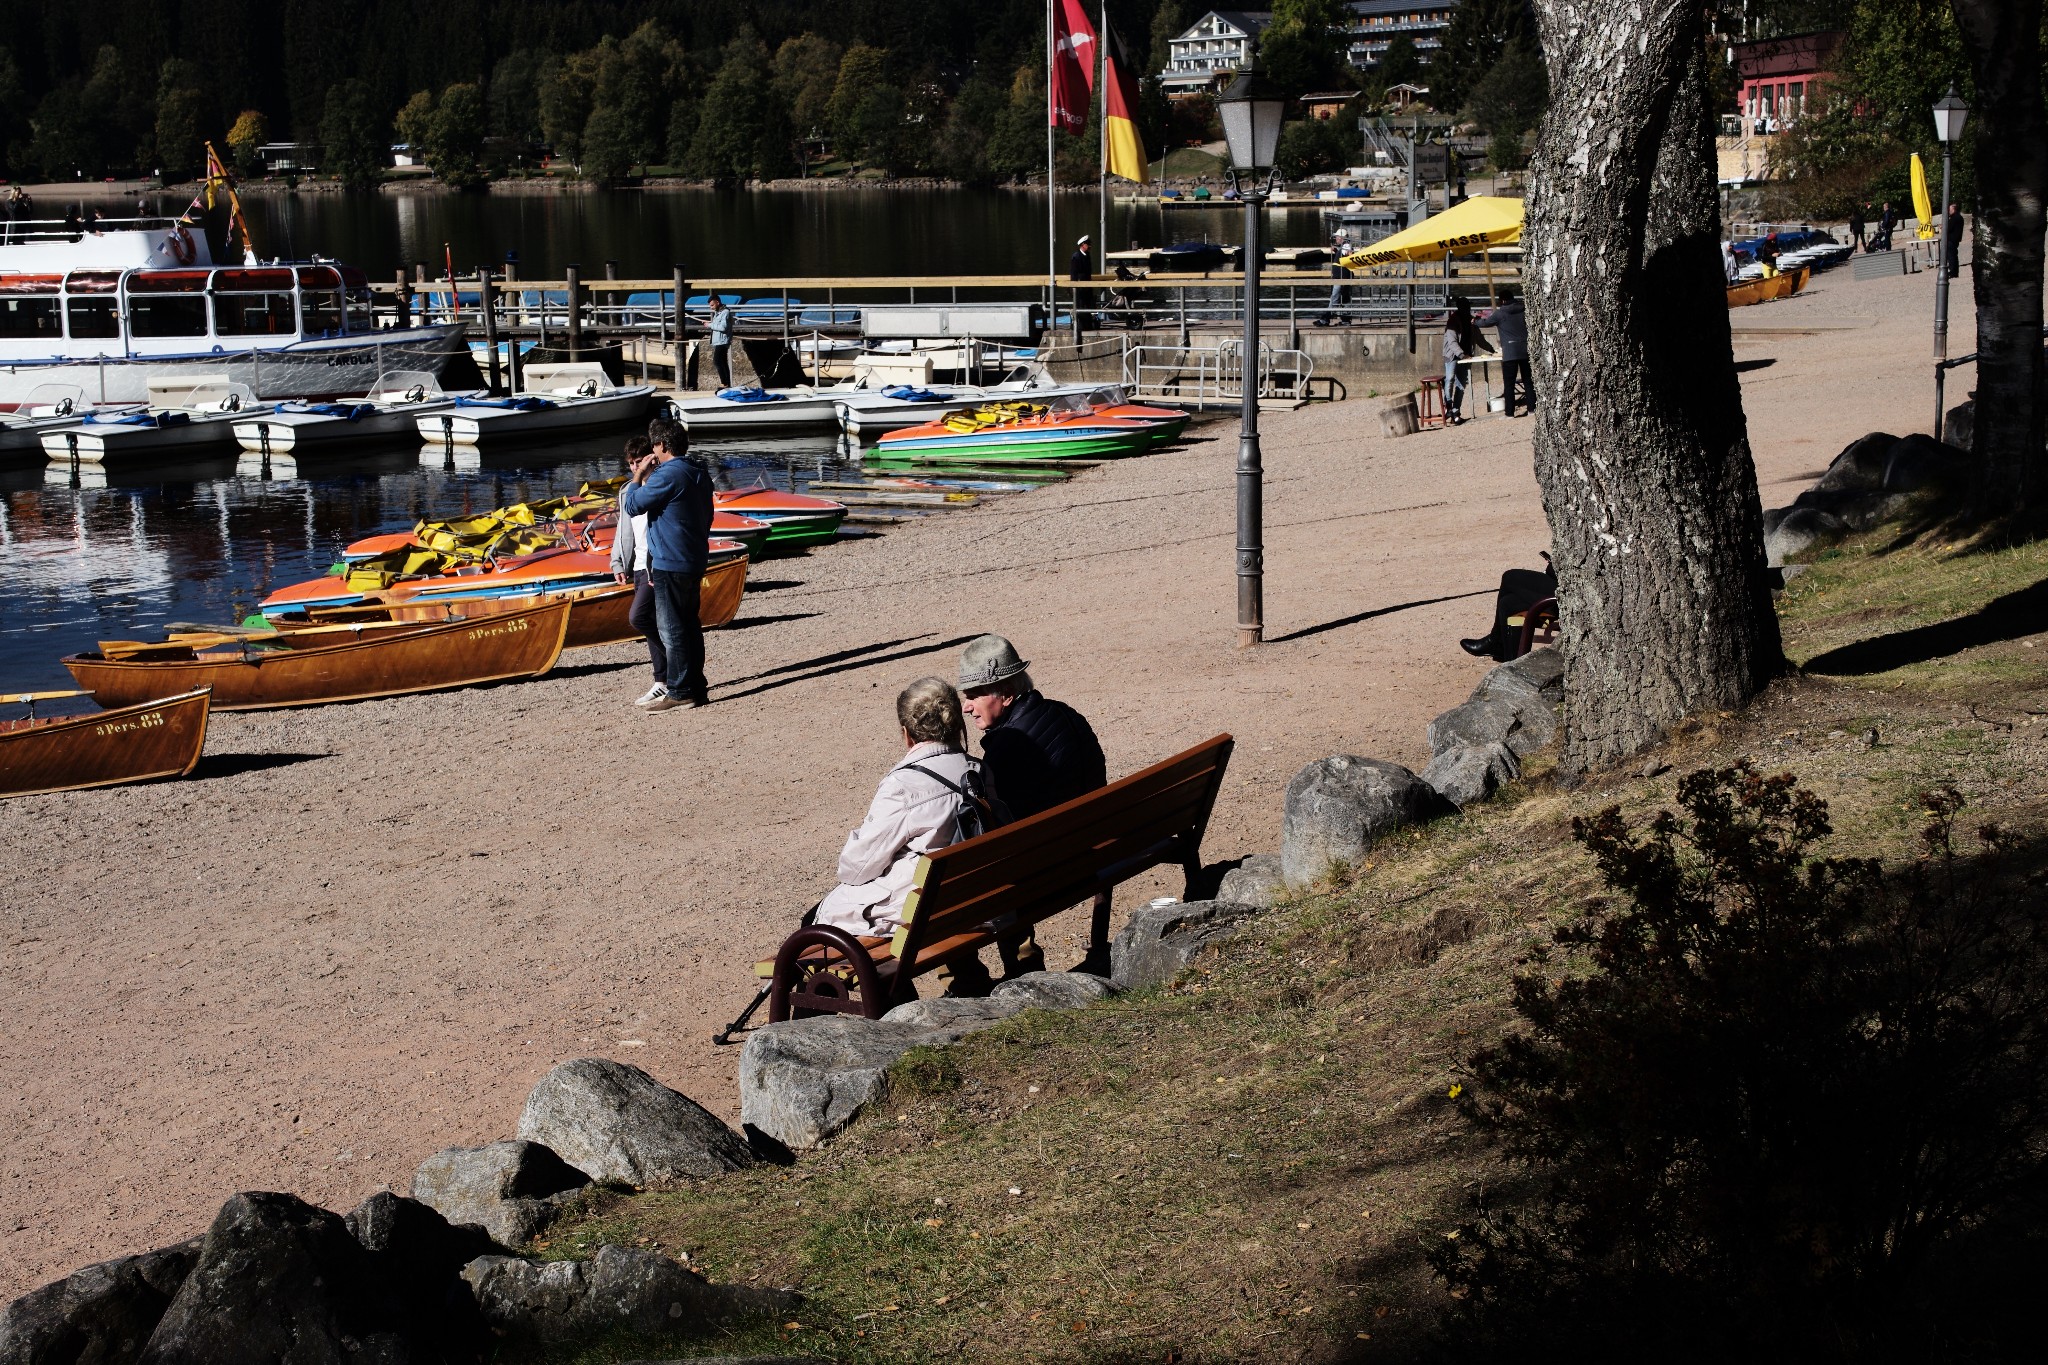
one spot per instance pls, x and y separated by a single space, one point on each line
1249 1165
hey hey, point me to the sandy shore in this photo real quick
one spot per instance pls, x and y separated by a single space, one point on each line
360 932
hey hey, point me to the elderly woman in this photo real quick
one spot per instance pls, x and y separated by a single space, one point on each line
914 812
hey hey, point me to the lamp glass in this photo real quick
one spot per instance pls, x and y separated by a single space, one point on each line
1237 130
1266 117
1252 112
1950 113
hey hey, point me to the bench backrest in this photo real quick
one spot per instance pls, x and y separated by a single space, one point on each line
1036 867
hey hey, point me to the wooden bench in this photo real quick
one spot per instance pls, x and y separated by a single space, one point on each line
966 895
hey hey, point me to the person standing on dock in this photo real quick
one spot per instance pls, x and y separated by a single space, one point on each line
674 493
721 341
1079 271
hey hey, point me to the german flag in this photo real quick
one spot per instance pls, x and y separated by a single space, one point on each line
1126 153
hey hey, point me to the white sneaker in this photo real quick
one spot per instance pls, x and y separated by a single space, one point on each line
651 695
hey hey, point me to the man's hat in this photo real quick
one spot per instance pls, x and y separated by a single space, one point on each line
988 660
1083 241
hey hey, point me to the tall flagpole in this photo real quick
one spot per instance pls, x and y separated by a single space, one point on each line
1052 231
1102 154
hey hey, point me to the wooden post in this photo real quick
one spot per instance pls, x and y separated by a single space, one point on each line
611 270
682 343
404 300
419 280
487 301
574 277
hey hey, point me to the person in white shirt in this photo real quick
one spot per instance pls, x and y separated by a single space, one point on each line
629 565
914 812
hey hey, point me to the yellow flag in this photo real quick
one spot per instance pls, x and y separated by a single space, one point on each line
1920 203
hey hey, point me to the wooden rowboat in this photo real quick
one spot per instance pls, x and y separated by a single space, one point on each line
127 744
597 616
309 667
1766 288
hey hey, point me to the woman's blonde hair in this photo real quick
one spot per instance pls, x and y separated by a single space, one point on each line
929 711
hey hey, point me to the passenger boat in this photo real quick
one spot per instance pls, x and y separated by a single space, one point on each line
201 423
160 738
1001 433
558 399
796 521
106 311
301 429
338 663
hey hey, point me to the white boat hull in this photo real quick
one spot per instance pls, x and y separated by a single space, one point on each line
108 444
866 416
478 425
301 433
799 410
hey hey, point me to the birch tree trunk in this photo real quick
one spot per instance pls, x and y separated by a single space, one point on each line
1641 447
2009 133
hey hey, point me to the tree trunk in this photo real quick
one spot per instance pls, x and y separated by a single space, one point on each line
1641 447
2009 134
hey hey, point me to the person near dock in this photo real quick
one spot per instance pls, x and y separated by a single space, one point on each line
1038 753
1510 322
721 341
629 565
915 810
1461 339
1079 271
674 493
1952 250
1886 221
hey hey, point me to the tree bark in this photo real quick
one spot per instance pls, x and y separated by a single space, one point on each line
2009 134
1642 451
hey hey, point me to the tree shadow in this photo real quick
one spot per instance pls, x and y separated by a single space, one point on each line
2010 617
1761 363
1356 618
582 670
842 661
233 765
748 623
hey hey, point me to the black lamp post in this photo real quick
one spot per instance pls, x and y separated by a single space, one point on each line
1251 110
1949 115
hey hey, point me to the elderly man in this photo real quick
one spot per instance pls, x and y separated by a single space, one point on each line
1037 754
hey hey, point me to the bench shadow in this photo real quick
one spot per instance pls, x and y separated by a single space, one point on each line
842 661
2010 617
1356 618
233 765
748 623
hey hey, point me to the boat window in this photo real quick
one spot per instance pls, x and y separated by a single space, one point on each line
322 311
319 277
252 281
166 315
92 281
361 311
242 315
93 317
29 315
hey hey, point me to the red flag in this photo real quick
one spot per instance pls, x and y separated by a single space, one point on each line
1073 66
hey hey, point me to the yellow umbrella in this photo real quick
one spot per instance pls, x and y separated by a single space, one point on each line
1471 227
1920 204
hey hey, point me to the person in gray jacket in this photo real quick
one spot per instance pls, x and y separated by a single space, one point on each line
1511 325
629 565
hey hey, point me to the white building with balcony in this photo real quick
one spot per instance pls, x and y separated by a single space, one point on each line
1206 56
1375 23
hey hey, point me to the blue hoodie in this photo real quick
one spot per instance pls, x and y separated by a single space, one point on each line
677 501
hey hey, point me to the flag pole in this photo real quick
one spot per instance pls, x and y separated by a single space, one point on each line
1052 232
1102 128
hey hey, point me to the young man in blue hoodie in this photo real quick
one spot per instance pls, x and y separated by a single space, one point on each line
675 494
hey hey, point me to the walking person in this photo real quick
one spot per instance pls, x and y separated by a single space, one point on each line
1510 323
1952 250
1856 226
721 341
629 565
1886 221
674 493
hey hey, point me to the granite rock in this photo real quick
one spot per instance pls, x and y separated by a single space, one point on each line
1860 466
1337 808
98 1315
1157 942
1052 991
1471 773
620 1126
1255 881
1525 724
512 1189
618 1292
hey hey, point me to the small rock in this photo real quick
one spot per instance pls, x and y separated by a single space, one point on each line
1524 724
1158 942
618 1292
1255 881
1797 530
1860 466
277 1279
422 1255
1471 773
803 1080
1656 767
1053 991
1537 675
1337 808
512 1189
1869 737
1959 428
618 1125
1919 461
1858 510
957 1013
99 1315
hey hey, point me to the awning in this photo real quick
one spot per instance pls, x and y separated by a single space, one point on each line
1471 227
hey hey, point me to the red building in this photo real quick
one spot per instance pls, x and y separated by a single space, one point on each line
1781 77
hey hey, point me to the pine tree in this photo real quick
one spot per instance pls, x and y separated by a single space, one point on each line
353 135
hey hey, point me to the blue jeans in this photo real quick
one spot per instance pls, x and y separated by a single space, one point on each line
1454 389
682 636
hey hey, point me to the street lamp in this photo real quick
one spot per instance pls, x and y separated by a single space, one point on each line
1949 115
1251 110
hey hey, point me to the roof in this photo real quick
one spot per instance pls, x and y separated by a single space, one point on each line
1252 21
1329 97
1366 8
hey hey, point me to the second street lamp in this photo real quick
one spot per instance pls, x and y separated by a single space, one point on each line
1950 113
1251 110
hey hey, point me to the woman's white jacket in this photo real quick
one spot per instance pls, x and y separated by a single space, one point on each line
910 816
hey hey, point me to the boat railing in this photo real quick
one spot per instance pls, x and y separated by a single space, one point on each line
19 231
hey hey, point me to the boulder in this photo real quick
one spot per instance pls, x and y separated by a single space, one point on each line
422 1255
1337 808
1470 773
1959 428
277 1279
100 1315
1857 510
1159 941
1537 675
1919 461
1796 530
1052 991
1525 724
1255 881
957 1014
512 1189
619 1292
803 1080
620 1126
1860 466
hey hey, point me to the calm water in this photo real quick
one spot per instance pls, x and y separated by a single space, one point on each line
205 543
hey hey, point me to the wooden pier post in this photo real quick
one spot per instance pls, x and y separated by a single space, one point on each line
404 300
683 377
487 300
419 281
573 274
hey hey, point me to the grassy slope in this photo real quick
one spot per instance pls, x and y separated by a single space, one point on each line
1249 1165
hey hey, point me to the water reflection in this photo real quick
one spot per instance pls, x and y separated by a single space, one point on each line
89 556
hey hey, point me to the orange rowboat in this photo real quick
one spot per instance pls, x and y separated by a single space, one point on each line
338 663
128 744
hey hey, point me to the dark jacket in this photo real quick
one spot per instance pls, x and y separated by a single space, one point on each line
1511 323
1078 267
1041 753
677 501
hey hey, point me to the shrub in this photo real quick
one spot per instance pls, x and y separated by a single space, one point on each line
1772 1101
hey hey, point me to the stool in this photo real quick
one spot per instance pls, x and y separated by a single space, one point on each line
1429 404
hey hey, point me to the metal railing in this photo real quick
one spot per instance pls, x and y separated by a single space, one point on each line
1215 376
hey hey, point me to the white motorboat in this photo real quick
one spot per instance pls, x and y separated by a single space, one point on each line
49 407
303 429
558 400
201 424
734 411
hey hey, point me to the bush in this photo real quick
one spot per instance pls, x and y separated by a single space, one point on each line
1773 1102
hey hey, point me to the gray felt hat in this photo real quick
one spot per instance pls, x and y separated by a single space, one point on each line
987 660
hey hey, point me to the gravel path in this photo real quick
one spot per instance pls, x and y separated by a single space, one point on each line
359 933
